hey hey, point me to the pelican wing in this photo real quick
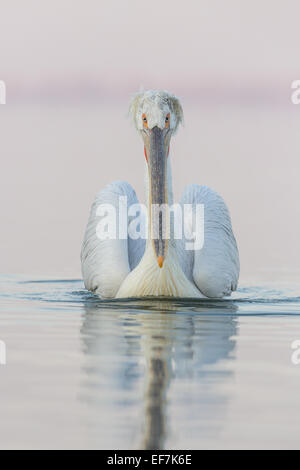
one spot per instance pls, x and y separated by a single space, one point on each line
105 263
215 267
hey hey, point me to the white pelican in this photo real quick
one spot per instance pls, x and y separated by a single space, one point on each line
160 267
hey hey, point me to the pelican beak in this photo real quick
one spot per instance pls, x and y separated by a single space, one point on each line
156 145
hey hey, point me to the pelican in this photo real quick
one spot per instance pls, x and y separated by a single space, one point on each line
162 266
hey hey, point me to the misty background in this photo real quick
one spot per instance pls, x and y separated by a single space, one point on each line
70 69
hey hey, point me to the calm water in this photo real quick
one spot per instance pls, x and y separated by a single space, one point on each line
84 373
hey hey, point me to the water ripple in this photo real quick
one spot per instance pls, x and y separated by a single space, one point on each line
251 300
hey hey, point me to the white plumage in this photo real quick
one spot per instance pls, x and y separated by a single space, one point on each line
129 267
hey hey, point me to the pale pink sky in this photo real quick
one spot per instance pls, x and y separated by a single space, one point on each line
115 46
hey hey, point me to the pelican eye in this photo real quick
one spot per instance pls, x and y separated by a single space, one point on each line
167 120
144 118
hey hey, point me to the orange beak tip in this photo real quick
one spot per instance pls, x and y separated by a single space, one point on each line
160 261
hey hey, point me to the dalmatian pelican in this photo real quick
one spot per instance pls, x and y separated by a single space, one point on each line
160 266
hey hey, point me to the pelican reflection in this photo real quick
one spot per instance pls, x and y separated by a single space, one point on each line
152 366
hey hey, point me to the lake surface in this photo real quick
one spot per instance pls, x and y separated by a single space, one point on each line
148 374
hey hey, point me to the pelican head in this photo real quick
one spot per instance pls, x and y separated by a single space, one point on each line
157 115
